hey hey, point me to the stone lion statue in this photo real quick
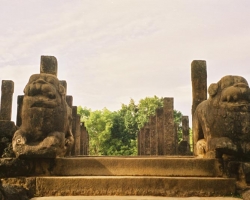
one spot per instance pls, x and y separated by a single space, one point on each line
46 120
221 124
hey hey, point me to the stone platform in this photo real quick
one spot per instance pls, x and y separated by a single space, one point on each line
121 176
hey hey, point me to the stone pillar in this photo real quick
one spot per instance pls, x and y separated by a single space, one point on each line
74 116
160 130
142 134
77 135
185 128
153 136
19 110
48 65
7 127
84 140
147 139
6 100
176 138
87 143
199 82
169 127
139 143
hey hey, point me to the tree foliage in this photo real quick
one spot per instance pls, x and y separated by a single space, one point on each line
115 133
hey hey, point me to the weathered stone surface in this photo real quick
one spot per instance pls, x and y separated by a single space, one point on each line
9 192
84 140
7 127
184 146
134 185
221 123
111 166
48 65
18 188
78 136
139 143
6 100
7 130
153 136
159 136
11 167
64 84
160 130
74 130
147 140
19 110
165 176
169 127
199 82
185 128
246 194
46 119
142 139
69 100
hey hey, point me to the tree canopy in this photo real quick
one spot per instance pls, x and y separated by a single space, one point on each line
115 133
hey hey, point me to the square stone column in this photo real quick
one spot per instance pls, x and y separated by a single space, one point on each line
142 141
199 82
78 135
153 136
169 127
6 100
84 140
74 129
160 130
139 143
19 110
147 140
185 128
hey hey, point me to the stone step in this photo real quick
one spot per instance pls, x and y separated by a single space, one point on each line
134 186
130 166
131 198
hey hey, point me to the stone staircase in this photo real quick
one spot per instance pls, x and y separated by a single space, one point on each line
134 176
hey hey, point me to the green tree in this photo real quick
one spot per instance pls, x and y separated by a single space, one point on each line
115 133
98 124
83 112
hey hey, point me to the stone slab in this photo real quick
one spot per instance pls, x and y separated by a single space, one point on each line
134 186
150 166
111 166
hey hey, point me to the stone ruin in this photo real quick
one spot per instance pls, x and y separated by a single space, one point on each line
47 124
36 166
159 135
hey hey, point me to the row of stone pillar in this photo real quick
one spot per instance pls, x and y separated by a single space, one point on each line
81 137
159 135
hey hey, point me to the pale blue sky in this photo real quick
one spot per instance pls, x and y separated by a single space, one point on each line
110 51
